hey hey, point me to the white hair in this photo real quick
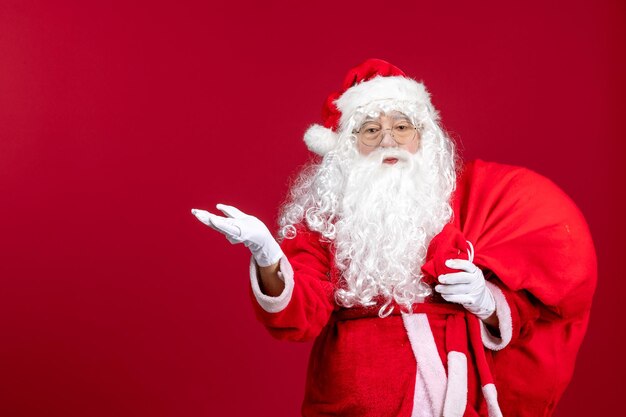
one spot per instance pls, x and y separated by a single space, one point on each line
380 218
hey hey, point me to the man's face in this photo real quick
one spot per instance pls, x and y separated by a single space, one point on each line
396 124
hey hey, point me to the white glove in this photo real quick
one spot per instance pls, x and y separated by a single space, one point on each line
467 288
239 227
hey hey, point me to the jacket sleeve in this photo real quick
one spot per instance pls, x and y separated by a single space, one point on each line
304 307
516 313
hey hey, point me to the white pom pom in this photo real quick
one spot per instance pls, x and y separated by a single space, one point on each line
320 139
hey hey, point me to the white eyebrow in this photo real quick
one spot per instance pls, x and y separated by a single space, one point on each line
398 115
394 116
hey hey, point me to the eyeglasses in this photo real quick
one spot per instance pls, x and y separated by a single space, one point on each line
372 133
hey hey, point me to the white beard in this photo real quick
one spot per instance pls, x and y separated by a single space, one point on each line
386 219
381 218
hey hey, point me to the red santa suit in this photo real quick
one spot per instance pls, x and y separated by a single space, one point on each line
535 249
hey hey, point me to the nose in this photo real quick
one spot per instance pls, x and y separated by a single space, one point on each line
387 140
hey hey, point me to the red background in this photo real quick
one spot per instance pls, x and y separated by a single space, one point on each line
117 119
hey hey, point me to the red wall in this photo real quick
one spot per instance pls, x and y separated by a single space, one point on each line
116 120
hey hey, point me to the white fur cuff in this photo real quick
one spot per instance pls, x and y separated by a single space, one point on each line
269 303
503 311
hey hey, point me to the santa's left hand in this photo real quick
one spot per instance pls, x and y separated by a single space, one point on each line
467 288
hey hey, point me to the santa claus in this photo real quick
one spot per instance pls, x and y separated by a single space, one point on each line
425 283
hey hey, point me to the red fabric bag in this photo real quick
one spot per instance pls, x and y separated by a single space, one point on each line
533 237
448 244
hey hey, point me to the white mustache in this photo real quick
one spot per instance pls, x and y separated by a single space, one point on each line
382 154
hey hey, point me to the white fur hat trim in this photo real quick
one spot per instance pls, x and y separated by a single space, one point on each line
395 88
321 140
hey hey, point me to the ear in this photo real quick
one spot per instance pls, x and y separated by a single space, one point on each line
320 140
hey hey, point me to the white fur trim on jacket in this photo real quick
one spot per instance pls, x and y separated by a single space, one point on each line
280 302
456 392
400 89
422 407
503 311
491 397
428 361
320 140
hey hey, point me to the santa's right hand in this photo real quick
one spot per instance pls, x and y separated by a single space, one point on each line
239 227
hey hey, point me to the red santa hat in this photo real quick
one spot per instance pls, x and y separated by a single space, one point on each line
372 81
